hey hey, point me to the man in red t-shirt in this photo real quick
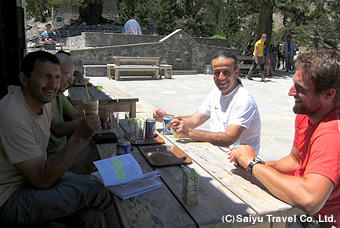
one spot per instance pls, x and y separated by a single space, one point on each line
308 178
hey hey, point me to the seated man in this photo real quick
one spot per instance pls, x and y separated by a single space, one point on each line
309 177
33 189
232 109
83 163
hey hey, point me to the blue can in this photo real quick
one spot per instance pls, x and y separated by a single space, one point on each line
123 147
150 128
167 130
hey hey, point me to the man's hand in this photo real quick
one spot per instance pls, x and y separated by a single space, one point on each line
104 114
180 127
241 155
159 114
88 126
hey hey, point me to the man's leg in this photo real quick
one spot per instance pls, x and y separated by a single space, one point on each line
250 72
288 63
28 205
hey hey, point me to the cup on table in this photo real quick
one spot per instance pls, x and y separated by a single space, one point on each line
114 121
136 129
140 133
91 106
175 134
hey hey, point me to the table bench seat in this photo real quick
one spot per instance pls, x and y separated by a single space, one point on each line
245 63
167 69
136 68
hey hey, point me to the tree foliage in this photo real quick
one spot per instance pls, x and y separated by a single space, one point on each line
312 23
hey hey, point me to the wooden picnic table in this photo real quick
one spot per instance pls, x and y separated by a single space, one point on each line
111 96
228 196
133 64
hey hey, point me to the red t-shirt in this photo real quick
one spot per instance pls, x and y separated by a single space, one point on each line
319 149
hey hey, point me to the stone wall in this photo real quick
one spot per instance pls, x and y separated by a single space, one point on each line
177 49
102 39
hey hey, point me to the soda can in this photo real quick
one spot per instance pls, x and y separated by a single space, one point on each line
123 147
167 130
150 128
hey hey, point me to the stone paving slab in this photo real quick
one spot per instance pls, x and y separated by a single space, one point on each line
183 95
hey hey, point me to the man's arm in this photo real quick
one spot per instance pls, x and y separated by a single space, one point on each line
287 165
255 54
185 126
43 174
308 193
60 129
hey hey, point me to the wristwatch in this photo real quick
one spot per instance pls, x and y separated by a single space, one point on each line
253 162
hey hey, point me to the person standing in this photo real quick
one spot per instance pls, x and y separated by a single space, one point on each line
258 58
308 178
232 110
289 50
48 38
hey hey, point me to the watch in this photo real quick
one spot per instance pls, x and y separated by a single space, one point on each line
253 162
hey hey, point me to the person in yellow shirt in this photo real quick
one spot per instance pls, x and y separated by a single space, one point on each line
258 58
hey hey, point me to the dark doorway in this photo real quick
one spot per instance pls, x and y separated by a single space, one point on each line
12 43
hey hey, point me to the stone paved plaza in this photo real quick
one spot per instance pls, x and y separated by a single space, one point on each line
183 95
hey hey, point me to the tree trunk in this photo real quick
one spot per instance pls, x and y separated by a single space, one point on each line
266 20
91 14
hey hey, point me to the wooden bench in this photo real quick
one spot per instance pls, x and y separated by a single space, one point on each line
167 70
133 64
246 62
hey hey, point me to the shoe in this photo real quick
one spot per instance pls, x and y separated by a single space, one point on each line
287 70
249 77
263 80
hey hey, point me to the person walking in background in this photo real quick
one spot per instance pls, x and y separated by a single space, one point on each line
258 58
309 177
289 51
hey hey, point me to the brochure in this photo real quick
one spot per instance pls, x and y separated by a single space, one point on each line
124 177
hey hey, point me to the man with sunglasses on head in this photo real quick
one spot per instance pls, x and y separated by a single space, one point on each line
232 110
62 108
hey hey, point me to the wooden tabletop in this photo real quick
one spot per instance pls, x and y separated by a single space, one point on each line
226 192
111 95
128 59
